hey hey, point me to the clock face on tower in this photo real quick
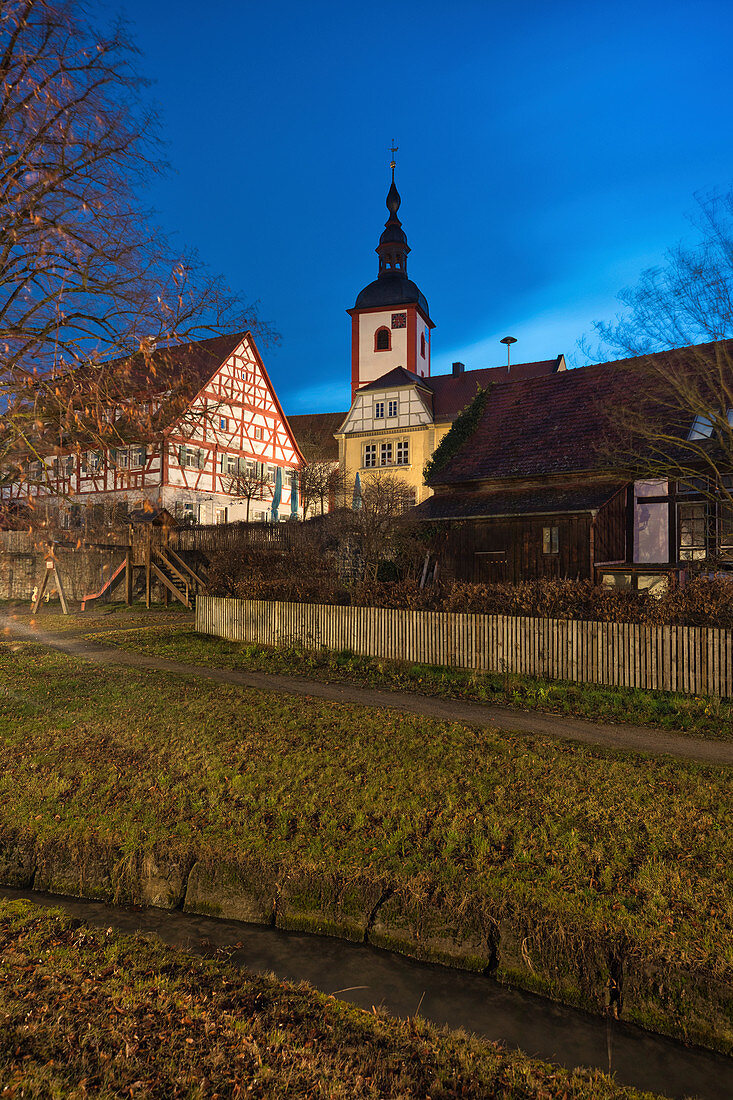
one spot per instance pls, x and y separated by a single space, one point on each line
399 320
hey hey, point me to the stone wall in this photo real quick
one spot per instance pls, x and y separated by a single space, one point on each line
82 572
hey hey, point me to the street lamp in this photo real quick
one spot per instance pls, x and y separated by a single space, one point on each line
508 340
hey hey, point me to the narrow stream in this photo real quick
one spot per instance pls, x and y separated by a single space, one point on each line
366 976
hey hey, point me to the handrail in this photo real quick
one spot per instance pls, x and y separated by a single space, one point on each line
171 566
170 552
185 600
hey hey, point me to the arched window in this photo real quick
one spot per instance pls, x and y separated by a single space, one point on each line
383 340
422 344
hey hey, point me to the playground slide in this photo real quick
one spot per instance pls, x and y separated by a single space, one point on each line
107 587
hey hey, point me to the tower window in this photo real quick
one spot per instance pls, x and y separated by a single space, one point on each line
422 344
382 340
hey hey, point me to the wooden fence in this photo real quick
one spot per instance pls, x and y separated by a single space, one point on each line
228 536
689 659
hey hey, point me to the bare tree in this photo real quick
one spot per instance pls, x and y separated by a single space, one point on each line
675 420
383 519
85 276
320 486
688 299
248 483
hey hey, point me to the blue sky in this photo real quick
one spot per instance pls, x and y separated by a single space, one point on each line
548 152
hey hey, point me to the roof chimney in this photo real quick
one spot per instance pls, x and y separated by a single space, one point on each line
458 368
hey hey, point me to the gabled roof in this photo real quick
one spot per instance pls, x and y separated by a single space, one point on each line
314 433
452 392
560 423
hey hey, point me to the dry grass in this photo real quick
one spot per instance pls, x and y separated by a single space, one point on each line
88 1013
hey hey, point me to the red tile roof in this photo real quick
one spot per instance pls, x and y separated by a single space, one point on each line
192 362
452 392
314 433
560 423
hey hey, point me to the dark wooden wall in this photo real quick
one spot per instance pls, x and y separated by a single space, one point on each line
511 549
609 530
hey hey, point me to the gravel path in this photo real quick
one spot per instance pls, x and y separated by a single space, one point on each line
643 739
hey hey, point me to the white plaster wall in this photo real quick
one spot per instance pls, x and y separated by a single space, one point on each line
373 364
422 365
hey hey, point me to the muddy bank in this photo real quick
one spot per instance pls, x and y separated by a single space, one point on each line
585 968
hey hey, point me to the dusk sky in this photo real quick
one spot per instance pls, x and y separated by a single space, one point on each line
548 152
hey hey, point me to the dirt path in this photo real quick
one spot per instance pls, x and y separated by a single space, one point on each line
615 736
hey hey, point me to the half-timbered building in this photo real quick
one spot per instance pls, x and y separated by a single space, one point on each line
212 455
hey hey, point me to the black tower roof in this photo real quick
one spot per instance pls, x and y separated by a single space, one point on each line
392 287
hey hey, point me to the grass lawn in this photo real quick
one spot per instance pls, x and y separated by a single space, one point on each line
89 1013
701 717
596 849
50 617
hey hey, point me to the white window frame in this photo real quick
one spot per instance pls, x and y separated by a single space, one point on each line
258 432
392 407
379 410
370 455
191 458
386 454
403 452
223 423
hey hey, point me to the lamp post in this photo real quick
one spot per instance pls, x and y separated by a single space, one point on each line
508 340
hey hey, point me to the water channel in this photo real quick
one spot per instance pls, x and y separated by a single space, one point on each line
366 976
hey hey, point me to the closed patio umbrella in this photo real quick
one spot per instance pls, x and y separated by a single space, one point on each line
294 494
277 495
356 502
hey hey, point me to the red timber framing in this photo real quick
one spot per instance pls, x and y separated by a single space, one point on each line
235 416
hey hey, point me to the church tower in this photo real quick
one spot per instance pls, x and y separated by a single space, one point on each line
390 321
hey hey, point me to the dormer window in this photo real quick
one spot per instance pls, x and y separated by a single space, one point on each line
702 428
382 340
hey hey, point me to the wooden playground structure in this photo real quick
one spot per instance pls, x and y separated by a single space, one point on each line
149 558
